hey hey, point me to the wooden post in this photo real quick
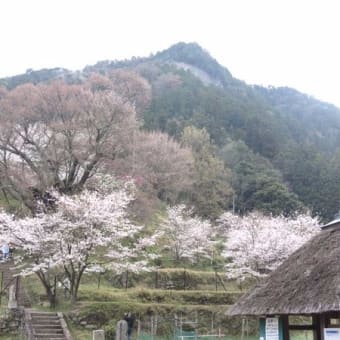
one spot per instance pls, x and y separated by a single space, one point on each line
242 330
316 327
180 323
322 325
138 328
216 279
212 322
184 280
1 285
17 287
152 326
55 292
99 277
156 324
127 280
262 324
12 302
319 325
156 279
285 327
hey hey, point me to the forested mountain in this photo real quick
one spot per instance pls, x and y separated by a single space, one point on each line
272 149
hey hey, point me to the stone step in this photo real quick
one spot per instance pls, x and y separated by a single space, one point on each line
50 332
51 318
49 337
43 314
39 327
45 322
46 326
53 329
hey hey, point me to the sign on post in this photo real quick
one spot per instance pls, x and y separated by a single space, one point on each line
272 329
332 334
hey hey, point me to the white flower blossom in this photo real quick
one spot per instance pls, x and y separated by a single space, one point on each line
256 244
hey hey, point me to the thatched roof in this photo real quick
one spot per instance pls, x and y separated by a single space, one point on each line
307 282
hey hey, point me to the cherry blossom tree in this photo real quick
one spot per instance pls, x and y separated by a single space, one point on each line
187 237
124 260
58 134
131 86
86 230
256 244
160 165
136 259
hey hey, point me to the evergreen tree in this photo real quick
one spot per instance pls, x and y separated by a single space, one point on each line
211 190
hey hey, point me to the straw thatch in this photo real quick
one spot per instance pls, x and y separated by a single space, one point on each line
307 282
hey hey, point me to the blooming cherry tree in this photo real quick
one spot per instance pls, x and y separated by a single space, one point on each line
256 244
84 230
136 259
187 237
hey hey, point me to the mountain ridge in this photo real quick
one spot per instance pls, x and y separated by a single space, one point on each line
180 52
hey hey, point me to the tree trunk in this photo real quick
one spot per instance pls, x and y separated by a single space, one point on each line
75 283
51 295
49 289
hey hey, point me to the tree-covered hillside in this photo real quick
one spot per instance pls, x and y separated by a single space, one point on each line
270 149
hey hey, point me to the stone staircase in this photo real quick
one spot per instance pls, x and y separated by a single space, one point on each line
45 325
7 272
38 325
7 278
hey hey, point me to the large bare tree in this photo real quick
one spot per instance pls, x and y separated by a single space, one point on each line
161 168
58 135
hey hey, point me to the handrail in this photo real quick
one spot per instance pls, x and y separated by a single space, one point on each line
8 285
28 325
64 326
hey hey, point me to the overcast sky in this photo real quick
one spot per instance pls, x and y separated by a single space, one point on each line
268 42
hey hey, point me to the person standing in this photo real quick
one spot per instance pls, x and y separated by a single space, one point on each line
5 251
130 319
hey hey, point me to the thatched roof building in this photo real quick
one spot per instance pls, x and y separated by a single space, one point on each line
308 282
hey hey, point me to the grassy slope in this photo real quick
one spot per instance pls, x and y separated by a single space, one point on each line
105 305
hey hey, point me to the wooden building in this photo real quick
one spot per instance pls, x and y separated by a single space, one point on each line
307 284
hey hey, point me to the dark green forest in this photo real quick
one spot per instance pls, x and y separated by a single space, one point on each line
270 149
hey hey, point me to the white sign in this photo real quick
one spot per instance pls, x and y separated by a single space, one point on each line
332 333
272 328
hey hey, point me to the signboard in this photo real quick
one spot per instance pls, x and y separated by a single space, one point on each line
332 333
272 329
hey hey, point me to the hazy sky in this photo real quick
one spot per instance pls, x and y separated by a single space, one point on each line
270 42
